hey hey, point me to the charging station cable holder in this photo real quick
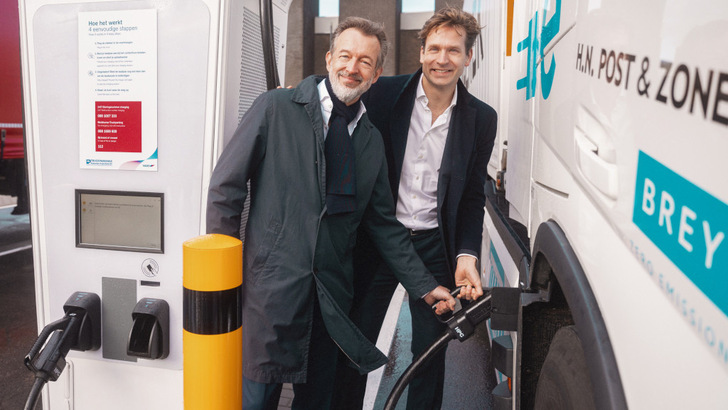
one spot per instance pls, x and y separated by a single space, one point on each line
149 335
88 306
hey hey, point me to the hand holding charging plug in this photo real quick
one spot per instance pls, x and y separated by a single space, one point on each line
501 305
441 300
461 325
468 278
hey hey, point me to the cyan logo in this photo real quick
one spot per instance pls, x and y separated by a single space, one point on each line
686 223
540 34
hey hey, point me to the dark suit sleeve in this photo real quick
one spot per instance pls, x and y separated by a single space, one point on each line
228 184
472 206
392 240
381 99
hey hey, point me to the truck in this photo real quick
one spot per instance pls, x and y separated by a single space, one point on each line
12 162
607 200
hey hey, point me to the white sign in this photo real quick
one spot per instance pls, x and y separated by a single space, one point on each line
118 89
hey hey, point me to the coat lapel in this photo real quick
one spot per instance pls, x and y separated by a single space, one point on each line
399 128
458 148
307 93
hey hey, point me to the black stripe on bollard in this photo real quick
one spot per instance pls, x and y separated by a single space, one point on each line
212 313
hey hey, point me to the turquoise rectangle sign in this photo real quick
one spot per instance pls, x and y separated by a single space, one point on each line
497 274
688 224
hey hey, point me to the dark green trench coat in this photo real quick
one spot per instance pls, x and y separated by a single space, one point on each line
293 250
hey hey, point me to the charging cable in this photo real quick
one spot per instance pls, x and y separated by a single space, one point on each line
461 325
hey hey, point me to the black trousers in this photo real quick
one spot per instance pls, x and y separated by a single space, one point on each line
316 393
371 299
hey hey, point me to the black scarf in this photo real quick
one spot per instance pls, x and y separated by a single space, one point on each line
340 161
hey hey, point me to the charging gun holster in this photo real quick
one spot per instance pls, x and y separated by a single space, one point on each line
79 329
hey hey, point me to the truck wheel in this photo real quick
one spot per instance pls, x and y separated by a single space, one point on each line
564 381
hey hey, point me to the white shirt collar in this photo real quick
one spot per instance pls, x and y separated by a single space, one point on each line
422 97
327 106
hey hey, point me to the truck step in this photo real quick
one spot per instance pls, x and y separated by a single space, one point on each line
502 355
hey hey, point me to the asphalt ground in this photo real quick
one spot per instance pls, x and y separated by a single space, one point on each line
18 329
14 231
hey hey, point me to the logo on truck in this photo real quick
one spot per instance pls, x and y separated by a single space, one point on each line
540 34
686 223
698 90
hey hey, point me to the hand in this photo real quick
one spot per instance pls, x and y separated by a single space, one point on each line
443 298
467 276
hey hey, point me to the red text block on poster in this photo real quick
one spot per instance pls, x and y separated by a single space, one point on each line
118 126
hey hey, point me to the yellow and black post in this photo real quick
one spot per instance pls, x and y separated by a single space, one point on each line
213 335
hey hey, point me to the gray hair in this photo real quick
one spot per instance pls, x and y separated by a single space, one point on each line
368 28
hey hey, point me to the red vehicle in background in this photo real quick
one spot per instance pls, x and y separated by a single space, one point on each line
13 180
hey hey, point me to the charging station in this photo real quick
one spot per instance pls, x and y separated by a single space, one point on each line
127 106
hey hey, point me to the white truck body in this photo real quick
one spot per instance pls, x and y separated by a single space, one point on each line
613 126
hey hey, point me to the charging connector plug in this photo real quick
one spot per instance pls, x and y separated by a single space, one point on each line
79 329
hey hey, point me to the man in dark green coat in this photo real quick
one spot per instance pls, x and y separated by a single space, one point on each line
297 257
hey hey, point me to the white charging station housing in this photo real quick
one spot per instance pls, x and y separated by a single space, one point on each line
112 200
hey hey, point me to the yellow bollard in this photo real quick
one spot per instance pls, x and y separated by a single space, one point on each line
212 335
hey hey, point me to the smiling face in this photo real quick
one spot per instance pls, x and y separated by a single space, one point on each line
444 57
352 65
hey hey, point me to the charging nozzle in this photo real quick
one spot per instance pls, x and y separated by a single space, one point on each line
79 329
499 304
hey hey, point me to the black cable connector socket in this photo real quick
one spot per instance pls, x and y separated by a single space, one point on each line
506 303
79 329
87 306
149 335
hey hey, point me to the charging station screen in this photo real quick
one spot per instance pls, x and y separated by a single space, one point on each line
129 221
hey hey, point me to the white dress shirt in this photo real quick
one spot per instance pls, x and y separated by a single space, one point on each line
417 195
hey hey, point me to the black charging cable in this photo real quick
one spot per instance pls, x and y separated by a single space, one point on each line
461 325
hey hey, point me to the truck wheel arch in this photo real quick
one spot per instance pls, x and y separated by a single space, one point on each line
554 259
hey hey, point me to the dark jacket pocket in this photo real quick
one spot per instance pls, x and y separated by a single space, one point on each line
264 248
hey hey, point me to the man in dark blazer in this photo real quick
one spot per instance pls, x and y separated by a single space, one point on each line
302 227
438 140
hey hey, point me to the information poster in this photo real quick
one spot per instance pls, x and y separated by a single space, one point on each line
118 89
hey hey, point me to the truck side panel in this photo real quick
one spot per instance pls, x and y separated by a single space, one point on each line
616 115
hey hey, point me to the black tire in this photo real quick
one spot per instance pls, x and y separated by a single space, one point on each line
564 382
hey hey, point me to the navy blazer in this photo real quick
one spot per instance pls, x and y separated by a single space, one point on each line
470 139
